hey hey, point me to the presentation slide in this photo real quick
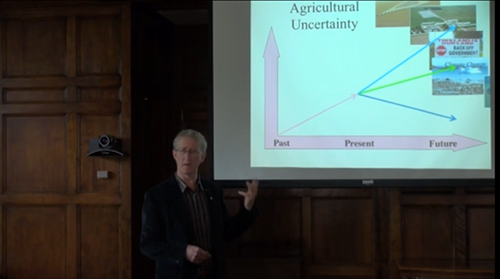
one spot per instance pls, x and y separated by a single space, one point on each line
360 90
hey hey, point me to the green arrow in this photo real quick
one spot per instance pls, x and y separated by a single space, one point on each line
451 68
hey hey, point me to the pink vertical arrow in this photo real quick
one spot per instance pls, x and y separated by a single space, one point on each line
271 55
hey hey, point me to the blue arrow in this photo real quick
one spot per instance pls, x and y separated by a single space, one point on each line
452 28
451 117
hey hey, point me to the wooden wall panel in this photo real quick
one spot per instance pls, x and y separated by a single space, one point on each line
64 78
20 96
24 53
98 94
34 242
99 45
442 227
263 269
284 229
252 256
29 142
342 239
427 232
323 233
481 232
99 244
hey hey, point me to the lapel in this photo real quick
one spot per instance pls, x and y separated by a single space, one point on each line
177 204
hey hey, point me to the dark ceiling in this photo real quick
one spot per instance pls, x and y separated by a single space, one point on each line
181 12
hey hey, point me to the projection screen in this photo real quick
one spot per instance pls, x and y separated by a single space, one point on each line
353 90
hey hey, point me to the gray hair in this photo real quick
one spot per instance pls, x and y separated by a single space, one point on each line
189 133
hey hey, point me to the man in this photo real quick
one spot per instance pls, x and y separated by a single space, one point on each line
185 220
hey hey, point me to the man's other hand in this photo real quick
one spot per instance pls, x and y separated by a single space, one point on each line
250 194
197 255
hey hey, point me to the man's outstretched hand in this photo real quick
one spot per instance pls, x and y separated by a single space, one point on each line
197 255
250 194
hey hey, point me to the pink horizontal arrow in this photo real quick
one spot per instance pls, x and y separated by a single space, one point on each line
454 142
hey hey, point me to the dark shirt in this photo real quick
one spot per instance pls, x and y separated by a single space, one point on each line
197 204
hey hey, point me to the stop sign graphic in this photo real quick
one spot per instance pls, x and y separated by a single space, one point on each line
441 50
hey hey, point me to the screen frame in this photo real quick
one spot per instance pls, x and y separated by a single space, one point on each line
347 183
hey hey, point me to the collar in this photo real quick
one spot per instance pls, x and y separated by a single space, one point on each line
183 185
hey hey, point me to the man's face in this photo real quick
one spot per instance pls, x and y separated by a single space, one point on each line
187 156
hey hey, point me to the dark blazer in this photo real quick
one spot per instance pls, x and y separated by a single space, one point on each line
167 229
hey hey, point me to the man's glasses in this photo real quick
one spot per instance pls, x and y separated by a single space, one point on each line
188 151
